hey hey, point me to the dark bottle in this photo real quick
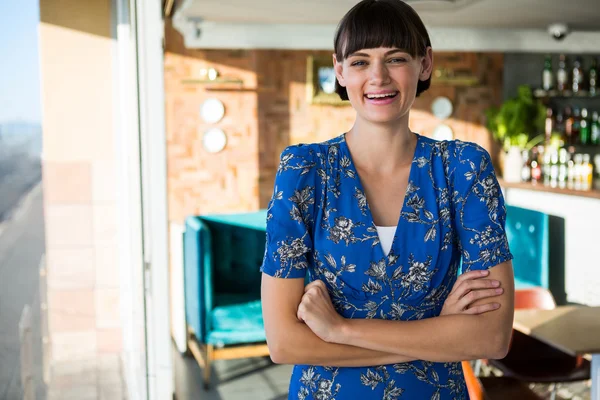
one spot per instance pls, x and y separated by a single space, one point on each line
577 77
593 78
547 75
576 126
569 120
595 129
562 77
559 124
584 130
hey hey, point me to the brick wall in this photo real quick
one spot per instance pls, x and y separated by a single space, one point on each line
270 112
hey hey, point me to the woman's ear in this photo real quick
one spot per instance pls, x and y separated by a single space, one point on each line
339 71
426 65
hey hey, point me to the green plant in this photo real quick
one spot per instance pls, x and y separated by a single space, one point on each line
518 121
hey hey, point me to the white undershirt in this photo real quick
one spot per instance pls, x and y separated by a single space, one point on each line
386 237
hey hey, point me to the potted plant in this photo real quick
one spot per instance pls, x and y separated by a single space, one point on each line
517 126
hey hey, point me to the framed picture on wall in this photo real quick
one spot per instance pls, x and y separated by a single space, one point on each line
320 81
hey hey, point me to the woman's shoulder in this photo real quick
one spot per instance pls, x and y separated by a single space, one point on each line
469 150
455 151
310 153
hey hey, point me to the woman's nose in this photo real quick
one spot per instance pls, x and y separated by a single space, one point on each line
379 73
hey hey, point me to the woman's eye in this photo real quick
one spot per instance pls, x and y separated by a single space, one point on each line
398 60
358 63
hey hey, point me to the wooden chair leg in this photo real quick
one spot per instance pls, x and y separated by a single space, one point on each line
208 365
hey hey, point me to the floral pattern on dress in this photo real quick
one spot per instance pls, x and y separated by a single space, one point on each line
319 222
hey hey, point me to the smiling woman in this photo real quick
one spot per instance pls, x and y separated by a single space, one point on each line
380 218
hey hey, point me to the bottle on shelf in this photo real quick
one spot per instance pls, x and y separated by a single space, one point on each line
584 130
547 74
546 165
577 76
559 124
562 77
593 78
536 168
586 172
548 125
576 129
562 168
571 173
569 121
554 169
526 166
578 167
595 129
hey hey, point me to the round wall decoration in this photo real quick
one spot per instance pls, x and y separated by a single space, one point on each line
214 140
212 110
441 107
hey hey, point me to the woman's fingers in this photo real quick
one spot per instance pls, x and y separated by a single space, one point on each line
482 308
475 295
471 275
474 284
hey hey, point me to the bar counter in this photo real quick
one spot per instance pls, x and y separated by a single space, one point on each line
575 222
593 193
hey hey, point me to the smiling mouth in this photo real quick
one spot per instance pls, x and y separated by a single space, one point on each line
381 96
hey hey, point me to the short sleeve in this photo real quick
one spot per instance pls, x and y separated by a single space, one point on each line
479 210
290 213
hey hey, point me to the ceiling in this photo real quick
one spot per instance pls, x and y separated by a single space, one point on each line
507 14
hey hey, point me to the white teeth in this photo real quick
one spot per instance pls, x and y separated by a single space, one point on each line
380 96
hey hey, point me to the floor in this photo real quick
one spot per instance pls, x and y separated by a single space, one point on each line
567 391
243 379
260 379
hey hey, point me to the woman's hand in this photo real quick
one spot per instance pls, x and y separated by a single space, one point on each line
468 288
316 310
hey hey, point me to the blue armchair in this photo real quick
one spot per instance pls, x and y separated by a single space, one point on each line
222 258
528 238
537 242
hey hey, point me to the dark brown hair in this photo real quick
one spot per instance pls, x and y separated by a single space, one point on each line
381 23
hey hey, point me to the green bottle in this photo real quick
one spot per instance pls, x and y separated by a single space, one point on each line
595 129
584 128
547 75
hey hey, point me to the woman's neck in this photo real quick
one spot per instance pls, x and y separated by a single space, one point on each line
381 148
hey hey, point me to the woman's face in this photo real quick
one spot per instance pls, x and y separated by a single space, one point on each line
382 82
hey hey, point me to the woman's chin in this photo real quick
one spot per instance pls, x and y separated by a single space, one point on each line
382 117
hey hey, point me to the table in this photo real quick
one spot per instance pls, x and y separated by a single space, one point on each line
572 329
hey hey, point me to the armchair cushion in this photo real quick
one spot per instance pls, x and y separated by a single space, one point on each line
236 324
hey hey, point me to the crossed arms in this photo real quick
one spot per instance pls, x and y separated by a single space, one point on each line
302 326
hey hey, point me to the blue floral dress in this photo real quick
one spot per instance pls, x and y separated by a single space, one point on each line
319 222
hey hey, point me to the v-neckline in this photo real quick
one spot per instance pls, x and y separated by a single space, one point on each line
368 207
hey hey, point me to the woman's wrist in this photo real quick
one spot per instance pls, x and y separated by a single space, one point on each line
344 332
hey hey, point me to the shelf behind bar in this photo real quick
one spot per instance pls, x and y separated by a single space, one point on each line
567 94
593 193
